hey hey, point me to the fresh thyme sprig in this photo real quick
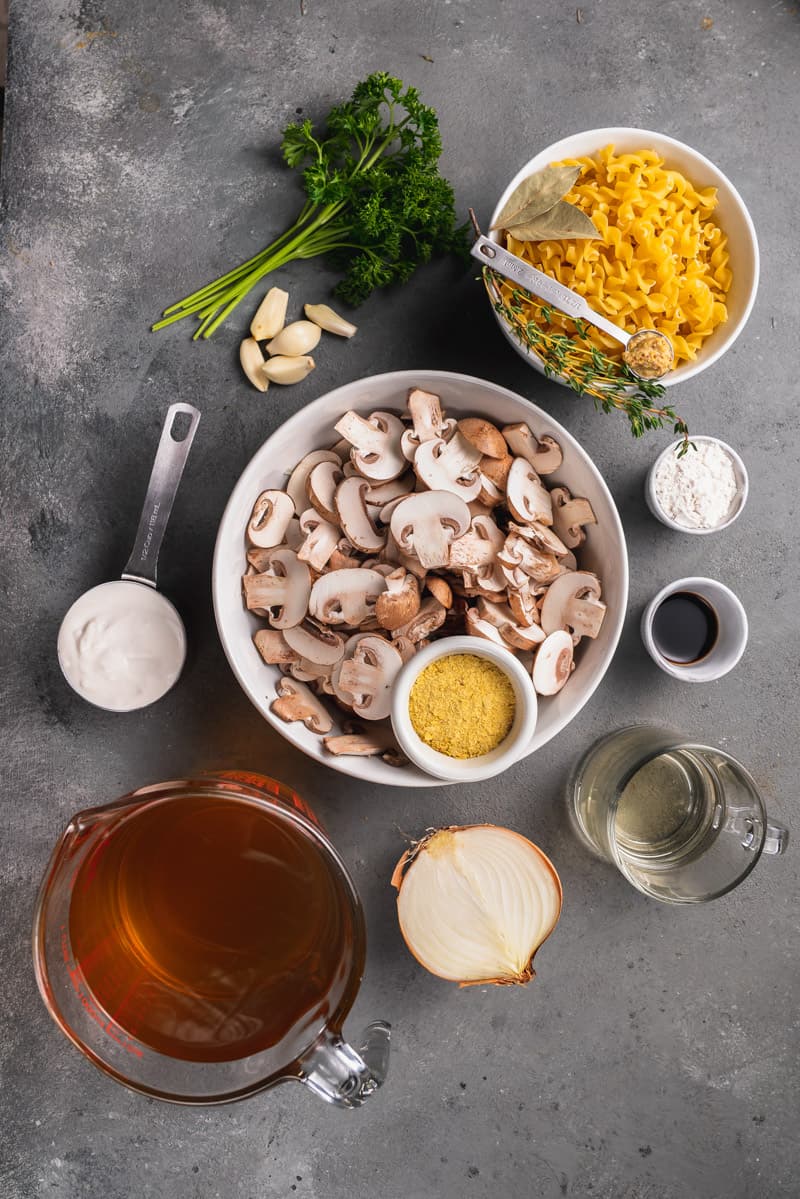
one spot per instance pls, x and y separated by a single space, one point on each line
587 370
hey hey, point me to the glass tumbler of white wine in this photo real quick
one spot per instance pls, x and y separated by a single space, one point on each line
683 822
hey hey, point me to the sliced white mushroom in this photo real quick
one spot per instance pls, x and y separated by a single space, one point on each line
573 603
273 647
515 634
427 523
375 440
399 602
321 487
321 646
355 518
380 494
477 627
321 539
430 617
283 591
449 466
522 603
517 554
539 536
570 514
553 663
367 677
527 497
477 550
269 519
297 702
425 410
296 487
345 597
544 454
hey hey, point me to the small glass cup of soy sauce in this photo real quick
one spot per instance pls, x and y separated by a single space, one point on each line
695 629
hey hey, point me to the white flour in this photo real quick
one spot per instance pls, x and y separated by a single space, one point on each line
699 489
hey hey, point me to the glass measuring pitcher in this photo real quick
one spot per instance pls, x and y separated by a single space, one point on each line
202 940
683 822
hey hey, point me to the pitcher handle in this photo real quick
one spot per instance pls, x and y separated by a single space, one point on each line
343 1076
776 839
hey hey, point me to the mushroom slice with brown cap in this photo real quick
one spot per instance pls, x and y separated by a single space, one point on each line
379 494
399 602
440 589
425 410
517 554
321 487
449 466
392 553
297 702
283 590
429 618
296 487
369 743
269 519
570 514
477 627
543 453
572 602
527 497
273 647
315 645
490 494
484 436
368 677
427 523
522 603
514 634
553 663
496 470
354 517
540 536
376 451
321 539
346 596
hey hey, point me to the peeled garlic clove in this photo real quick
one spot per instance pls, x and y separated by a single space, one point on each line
252 361
475 903
270 315
329 320
298 338
284 369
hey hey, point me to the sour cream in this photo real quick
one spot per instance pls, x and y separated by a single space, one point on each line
122 645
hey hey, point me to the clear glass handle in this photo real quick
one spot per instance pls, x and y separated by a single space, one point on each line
343 1076
777 838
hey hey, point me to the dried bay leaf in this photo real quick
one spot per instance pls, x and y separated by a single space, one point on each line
536 194
561 221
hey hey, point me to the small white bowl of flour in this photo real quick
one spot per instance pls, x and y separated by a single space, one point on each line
701 492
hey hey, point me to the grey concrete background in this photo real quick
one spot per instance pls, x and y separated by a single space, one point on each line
655 1056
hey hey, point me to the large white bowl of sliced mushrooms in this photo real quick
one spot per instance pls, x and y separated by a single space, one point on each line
396 510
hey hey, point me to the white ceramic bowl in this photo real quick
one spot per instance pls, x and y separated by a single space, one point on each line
731 214
739 501
603 552
485 766
731 639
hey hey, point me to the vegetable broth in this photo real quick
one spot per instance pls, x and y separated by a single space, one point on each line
212 929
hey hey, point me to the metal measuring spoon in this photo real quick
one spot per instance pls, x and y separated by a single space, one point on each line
564 299
122 644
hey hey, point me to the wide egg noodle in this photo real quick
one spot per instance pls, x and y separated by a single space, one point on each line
659 261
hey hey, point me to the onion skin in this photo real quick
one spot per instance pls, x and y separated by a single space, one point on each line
521 977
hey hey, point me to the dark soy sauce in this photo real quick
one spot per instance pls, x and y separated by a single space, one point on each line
685 628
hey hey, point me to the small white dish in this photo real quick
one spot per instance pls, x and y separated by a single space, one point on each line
465 770
739 501
731 638
731 214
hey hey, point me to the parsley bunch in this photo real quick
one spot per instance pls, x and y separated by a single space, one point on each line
376 203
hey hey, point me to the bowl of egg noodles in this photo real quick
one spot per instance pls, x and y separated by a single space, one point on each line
675 251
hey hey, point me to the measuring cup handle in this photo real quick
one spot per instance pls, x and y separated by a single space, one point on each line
343 1076
776 839
161 490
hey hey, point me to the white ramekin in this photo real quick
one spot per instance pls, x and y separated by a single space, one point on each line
731 640
739 501
465 770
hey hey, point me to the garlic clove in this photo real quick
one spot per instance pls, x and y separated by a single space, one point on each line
330 321
270 315
475 903
284 369
295 340
252 361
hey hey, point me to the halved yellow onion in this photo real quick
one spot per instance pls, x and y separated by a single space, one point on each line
476 902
